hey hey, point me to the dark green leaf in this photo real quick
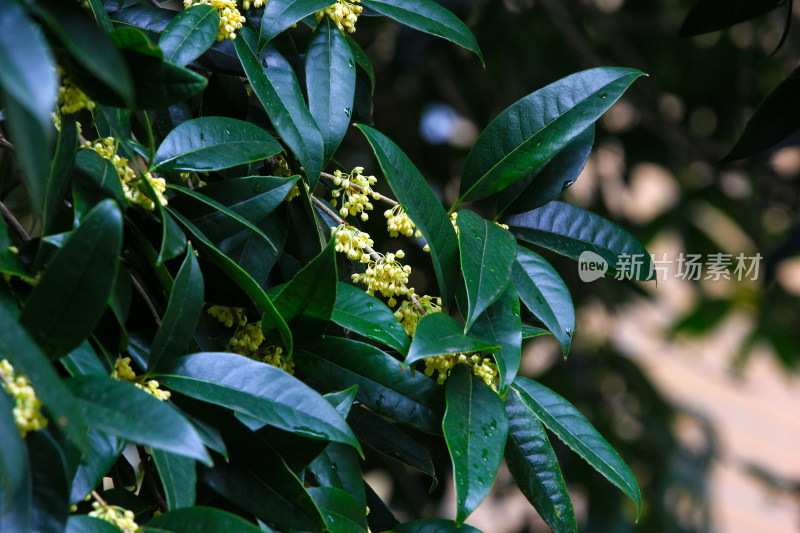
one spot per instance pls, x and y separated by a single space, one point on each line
439 334
260 391
363 61
254 255
545 295
529 332
422 206
89 524
94 464
383 386
200 520
82 361
430 17
134 40
178 477
433 525
94 180
73 292
343 400
487 252
550 180
385 437
306 303
274 83
119 408
242 279
182 314
534 129
534 466
331 82
341 512
213 143
501 324
575 431
475 429
60 173
338 467
189 34
159 83
280 14
712 15
50 485
380 517
15 474
366 315
571 231
775 119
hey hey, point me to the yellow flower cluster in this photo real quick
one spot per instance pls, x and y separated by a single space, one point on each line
357 190
228 315
230 18
120 517
248 340
398 222
409 315
343 13
386 276
273 355
351 241
193 179
124 372
454 221
107 148
482 367
256 3
70 98
294 192
27 407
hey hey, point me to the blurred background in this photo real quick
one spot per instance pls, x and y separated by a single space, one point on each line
694 381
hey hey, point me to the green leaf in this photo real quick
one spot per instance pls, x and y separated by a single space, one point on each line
331 82
338 467
439 334
306 303
383 436
433 525
213 143
775 119
534 466
241 278
570 230
341 512
189 34
120 409
15 474
89 524
487 252
73 292
429 17
95 463
159 83
260 391
224 211
134 40
549 180
545 295
534 129
50 485
712 15
178 477
369 317
82 361
199 520
383 386
422 206
60 173
575 431
529 332
94 180
475 429
27 70
182 314
362 60
502 325
274 83
281 14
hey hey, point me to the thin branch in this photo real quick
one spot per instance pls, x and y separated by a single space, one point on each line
359 188
371 251
4 143
99 498
151 481
146 298
12 222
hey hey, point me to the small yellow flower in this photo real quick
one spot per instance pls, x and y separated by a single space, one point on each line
398 222
343 13
357 190
228 315
482 367
120 517
352 242
409 314
230 18
124 372
27 409
273 355
386 276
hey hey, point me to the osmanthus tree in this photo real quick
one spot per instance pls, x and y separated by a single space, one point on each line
195 288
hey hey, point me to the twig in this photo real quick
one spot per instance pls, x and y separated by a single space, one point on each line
15 226
99 498
151 482
4 143
371 251
146 298
359 188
